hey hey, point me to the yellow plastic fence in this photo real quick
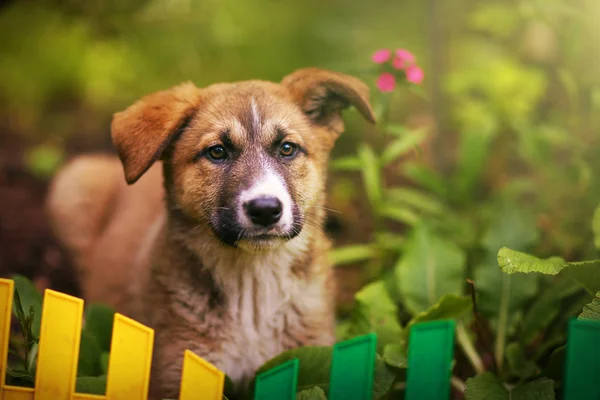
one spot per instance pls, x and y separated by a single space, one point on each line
129 363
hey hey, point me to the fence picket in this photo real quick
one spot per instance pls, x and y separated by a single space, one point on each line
582 362
58 350
130 360
352 368
278 383
7 287
200 380
430 354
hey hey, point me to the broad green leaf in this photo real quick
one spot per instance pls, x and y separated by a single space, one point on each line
517 362
596 227
376 312
400 214
512 261
417 199
350 163
449 306
89 355
30 298
395 356
586 273
91 384
540 389
99 323
314 393
430 268
315 363
402 145
352 254
591 310
371 174
486 386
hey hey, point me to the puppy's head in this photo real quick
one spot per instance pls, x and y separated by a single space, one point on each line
246 159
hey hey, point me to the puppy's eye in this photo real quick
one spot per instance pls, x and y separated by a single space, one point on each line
288 150
217 153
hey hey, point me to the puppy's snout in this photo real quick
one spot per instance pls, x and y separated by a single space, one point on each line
264 211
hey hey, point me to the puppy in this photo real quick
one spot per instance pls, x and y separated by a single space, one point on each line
219 245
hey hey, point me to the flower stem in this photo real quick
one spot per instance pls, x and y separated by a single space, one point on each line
467 346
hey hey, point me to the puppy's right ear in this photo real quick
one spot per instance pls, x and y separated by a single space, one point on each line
143 131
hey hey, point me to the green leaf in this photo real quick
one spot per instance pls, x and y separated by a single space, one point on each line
352 254
540 389
99 323
104 357
89 355
315 363
402 145
596 227
371 174
375 311
91 384
486 386
586 273
518 363
400 214
545 309
397 130
449 306
416 199
430 268
426 178
512 261
314 393
395 356
591 310
32 359
350 163
29 298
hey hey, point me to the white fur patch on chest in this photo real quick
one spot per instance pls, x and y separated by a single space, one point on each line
258 288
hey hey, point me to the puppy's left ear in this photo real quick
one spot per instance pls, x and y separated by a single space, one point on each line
322 95
143 131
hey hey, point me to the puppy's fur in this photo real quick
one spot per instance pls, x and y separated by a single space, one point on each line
183 257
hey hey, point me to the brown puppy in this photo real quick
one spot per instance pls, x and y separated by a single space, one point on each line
227 256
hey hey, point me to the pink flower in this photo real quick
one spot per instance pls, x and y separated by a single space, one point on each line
414 74
386 82
403 59
381 56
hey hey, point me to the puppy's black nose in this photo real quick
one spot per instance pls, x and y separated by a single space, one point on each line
264 211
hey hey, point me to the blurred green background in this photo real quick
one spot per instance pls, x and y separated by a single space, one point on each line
510 102
511 87
498 147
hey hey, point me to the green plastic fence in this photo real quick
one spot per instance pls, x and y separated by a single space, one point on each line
430 355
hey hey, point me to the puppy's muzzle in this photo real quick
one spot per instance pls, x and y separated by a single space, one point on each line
264 211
